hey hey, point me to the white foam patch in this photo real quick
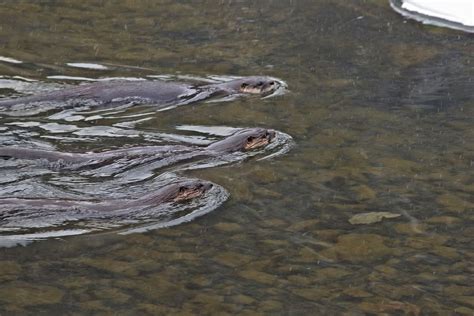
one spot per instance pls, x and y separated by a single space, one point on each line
60 77
59 128
88 66
24 79
106 131
71 78
10 60
24 124
122 78
25 239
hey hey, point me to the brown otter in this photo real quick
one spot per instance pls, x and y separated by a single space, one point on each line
158 93
243 140
172 193
179 192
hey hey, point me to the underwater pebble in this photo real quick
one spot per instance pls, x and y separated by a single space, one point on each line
23 294
372 217
303 225
228 227
386 306
111 266
313 294
232 259
273 222
454 203
242 299
329 274
358 248
270 305
9 270
258 276
357 293
153 309
94 305
447 220
410 228
307 254
211 304
299 280
464 311
446 252
467 300
363 193
111 294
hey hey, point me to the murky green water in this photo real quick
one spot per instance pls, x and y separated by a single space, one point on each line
382 115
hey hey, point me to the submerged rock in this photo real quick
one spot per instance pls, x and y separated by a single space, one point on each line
372 217
365 193
454 203
228 227
358 248
258 276
232 259
391 307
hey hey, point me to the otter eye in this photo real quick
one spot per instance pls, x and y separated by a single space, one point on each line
271 83
182 189
250 139
244 85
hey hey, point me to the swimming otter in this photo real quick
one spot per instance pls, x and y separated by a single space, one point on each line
242 140
245 139
180 192
158 93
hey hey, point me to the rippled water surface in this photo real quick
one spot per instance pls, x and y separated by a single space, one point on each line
364 206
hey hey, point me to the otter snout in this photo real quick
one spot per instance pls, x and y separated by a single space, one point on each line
258 85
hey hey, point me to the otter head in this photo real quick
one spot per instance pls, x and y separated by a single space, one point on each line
175 192
246 139
191 190
258 85
251 85
188 190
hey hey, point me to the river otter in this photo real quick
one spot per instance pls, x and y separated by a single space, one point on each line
158 93
178 192
243 140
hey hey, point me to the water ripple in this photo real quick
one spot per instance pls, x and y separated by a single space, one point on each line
29 219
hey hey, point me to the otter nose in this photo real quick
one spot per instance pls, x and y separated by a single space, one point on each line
270 134
206 186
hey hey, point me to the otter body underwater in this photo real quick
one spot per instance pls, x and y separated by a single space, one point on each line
171 193
167 203
244 140
157 93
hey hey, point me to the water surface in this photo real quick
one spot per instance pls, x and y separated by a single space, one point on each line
380 110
